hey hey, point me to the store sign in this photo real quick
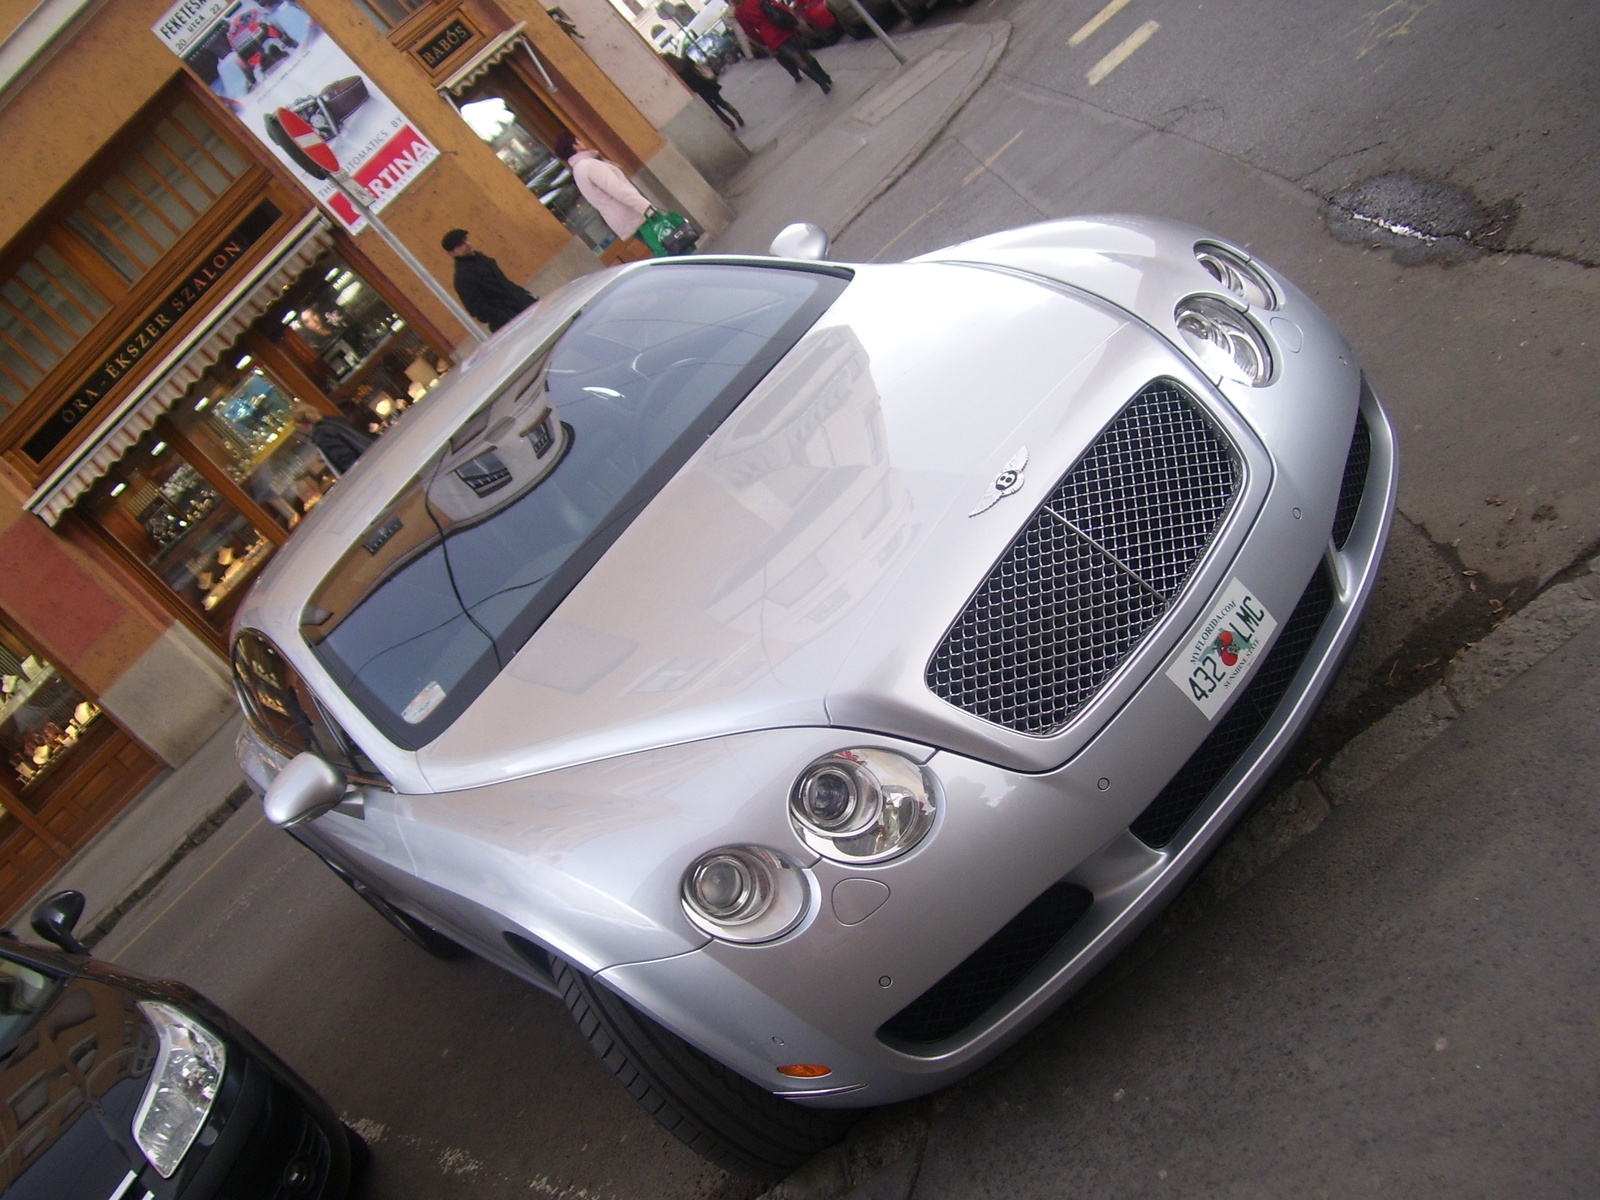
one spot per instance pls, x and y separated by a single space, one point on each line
259 59
443 45
139 342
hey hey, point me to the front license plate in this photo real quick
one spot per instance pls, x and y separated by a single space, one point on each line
1224 651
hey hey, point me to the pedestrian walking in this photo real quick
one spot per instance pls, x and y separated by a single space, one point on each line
771 24
485 291
703 84
604 185
825 27
338 441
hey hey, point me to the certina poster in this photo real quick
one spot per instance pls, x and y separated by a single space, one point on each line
263 55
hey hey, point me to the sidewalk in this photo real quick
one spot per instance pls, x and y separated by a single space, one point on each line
825 158
132 854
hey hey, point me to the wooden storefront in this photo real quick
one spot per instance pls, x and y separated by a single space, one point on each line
68 768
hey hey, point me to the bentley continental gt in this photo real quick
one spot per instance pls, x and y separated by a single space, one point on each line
814 672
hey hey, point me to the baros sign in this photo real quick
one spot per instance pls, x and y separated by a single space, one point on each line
259 56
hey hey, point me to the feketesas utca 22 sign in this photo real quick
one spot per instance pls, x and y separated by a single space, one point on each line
261 55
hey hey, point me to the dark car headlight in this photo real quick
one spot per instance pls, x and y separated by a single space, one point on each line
182 1087
862 806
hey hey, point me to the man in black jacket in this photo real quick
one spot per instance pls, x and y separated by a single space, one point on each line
485 291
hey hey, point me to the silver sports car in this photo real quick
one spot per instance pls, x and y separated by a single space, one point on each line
813 673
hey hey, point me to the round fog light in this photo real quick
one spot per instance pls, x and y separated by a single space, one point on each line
744 894
728 888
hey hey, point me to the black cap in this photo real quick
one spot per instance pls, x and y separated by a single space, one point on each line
453 239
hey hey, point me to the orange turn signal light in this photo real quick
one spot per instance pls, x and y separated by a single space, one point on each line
805 1071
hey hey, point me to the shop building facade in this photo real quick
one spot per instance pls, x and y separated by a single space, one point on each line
170 292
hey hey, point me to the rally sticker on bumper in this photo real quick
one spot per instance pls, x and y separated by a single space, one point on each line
1222 653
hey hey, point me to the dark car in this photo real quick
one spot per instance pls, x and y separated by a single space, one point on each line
117 1087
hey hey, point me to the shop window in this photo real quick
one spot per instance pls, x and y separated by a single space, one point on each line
352 345
176 523
494 120
248 430
42 716
341 318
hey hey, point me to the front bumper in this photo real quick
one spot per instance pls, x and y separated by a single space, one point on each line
1006 838
269 1135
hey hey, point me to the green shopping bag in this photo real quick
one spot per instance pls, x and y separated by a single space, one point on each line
667 234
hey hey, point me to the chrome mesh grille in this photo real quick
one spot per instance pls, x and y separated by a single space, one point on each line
1091 572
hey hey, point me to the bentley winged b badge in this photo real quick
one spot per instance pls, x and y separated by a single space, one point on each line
1008 481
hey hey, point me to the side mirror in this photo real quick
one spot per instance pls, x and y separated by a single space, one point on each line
801 240
308 787
54 919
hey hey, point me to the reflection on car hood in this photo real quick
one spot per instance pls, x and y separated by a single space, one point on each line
73 1084
790 568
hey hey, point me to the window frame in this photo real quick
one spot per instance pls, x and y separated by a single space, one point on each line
256 182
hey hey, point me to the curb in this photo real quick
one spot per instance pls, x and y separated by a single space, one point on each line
195 838
999 39
881 1158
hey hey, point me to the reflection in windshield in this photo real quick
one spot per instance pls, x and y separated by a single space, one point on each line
457 572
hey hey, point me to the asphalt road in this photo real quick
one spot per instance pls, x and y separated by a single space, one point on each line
1244 118
1286 1044
1401 1005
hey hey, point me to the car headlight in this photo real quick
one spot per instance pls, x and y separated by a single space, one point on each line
1224 341
744 894
1236 273
862 806
183 1086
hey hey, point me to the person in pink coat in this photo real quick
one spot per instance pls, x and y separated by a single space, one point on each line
604 185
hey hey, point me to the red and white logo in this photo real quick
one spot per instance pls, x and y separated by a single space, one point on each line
308 140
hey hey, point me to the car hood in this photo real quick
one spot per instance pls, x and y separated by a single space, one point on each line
802 566
72 1138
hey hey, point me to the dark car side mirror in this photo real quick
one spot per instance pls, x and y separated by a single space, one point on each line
55 918
308 787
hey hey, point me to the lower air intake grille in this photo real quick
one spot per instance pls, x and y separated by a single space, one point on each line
1097 565
1180 799
991 970
1355 482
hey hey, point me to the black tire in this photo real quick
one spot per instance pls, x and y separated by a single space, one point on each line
416 932
716 1112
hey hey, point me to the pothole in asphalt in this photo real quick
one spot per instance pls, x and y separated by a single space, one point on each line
1421 220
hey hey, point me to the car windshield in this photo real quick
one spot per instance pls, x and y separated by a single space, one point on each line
455 574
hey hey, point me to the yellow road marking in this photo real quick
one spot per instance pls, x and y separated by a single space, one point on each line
945 199
188 889
1392 21
1100 18
989 162
885 248
1121 54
